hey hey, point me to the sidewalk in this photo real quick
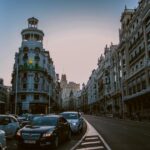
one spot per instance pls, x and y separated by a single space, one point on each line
92 140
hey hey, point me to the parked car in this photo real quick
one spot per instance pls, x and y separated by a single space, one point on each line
47 131
2 140
75 120
28 119
9 124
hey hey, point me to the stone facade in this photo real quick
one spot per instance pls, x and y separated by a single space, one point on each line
135 57
33 78
69 93
122 77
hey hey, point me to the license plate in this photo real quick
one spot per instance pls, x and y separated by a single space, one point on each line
30 141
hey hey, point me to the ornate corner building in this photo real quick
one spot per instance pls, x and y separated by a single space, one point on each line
33 78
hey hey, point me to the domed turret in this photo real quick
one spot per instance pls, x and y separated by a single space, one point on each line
32 33
32 22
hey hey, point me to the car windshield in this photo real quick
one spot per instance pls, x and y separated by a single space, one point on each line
3 120
70 115
44 121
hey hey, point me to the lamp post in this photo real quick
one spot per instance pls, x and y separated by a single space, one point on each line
16 88
49 101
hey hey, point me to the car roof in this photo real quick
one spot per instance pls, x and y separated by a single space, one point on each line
69 112
3 115
51 115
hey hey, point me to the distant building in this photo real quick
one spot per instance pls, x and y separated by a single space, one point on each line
3 97
33 77
67 89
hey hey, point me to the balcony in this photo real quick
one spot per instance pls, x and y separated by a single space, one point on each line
137 56
28 67
37 58
25 57
27 90
125 98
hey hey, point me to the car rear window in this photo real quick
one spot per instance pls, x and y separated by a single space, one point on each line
70 115
44 121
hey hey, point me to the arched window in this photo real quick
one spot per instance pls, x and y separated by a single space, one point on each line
25 49
37 49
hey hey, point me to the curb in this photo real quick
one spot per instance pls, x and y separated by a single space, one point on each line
89 132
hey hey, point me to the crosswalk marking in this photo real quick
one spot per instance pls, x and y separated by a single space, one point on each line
91 143
87 143
92 148
91 138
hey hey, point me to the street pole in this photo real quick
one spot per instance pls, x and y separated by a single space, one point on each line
16 89
49 102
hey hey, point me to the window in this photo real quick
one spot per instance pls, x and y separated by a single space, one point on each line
36 86
36 78
138 87
24 86
141 63
130 90
23 97
143 84
36 97
134 89
25 49
149 54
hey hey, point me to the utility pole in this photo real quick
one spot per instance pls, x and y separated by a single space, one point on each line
16 89
49 101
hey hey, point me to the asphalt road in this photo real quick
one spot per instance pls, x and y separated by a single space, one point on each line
122 134
11 143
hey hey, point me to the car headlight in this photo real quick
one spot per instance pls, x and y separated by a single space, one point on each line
47 134
74 123
18 133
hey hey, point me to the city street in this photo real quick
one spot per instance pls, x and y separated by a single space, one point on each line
11 143
122 134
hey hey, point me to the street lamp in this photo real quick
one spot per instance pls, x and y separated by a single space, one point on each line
49 101
16 88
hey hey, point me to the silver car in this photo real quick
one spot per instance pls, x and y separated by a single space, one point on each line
2 140
75 119
9 124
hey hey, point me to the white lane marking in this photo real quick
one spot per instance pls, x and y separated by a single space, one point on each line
91 138
106 145
87 143
92 148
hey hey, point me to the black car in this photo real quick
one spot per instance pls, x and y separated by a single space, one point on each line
44 131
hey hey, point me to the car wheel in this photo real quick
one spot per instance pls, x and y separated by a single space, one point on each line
56 142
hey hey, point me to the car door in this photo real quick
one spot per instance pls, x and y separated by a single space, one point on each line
7 126
14 125
65 126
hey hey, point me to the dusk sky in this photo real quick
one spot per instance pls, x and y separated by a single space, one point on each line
76 32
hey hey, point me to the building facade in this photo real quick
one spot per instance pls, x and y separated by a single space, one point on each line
69 93
3 97
123 73
33 77
135 56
